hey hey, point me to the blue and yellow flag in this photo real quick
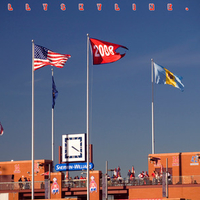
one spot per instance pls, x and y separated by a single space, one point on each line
164 76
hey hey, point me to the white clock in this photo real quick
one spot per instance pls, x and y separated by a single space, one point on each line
73 148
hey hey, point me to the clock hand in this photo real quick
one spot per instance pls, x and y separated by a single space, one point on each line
75 148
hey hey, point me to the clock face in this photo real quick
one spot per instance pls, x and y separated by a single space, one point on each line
73 147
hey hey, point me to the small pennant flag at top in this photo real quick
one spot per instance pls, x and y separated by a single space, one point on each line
104 52
44 56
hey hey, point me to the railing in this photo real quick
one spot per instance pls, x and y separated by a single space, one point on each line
74 183
174 180
21 185
194 179
79 183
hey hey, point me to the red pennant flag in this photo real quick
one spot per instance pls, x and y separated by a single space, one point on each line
104 52
45 174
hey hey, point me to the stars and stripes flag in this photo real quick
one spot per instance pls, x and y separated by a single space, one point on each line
1 129
44 56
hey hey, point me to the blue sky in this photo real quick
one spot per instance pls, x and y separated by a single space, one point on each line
120 92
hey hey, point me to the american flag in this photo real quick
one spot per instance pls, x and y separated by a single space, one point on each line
44 56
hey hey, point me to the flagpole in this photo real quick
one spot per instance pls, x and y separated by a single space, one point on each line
32 119
88 169
52 129
152 107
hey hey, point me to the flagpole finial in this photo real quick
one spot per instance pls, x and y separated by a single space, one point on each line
32 41
87 34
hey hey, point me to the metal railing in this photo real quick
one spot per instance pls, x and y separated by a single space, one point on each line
79 183
74 183
174 180
21 185
194 179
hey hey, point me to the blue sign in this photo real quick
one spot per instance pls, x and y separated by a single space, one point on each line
73 166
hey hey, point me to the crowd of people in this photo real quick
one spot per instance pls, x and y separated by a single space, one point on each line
25 184
157 177
143 177
117 174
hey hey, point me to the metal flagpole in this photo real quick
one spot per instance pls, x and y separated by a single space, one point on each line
88 169
152 107
167 177
52 127
32 119
106 180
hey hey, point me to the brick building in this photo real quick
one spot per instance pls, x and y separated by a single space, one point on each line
183 167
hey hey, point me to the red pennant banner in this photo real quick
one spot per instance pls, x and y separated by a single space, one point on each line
104 52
